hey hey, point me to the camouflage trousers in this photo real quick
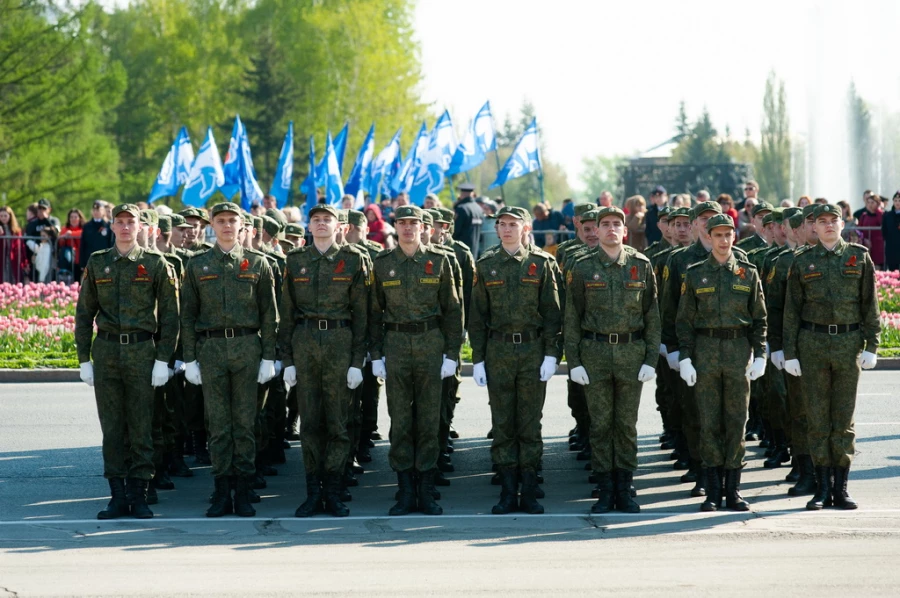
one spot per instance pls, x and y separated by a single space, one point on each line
689 409
723 398
322 358
578 405
275 414
449 399
413 388
613 397
125 402
371 391
830 378
516 396
663 393
776 408
260 427
799 428
229 368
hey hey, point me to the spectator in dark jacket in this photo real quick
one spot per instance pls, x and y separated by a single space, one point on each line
658 199
890 229
95 234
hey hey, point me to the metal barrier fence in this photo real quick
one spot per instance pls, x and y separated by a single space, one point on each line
19 262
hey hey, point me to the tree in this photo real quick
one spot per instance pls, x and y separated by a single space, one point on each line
601 173
701 145
682 124
859 138
774 165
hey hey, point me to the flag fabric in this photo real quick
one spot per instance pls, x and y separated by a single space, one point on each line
479 140
281 182
524 159
403 181
206 174
250 189
362 168
309 185
174 173
232 165
384 165
334 187
340 145
435 160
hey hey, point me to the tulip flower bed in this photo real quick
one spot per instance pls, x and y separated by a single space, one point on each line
37 325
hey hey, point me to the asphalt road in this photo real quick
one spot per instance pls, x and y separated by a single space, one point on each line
51 544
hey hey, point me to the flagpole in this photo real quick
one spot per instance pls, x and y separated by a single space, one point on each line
541 181
497 160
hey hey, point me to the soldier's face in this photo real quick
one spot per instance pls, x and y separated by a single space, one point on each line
125 226
809 227
769 231
758 221
437 236
700 224
722 238
226 226
141 235
177 238
323 225
190 234
409 230
780 231
426 233
612 231
682 230
590 232
828 228
355 234
510 229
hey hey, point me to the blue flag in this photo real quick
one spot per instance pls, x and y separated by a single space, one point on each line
340 145
334 187
281 183
232 165
206 174
479 140
250 189
403 180
175 169
362 168
524 159
384 165
435 161
309 185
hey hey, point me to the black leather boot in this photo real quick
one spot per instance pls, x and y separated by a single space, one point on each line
313 502
275 451
839 494
118 504
528 500
699 488
440 479
427 504
693 472
733 498
136 492
221 498
624 501
780 453
406 496
713 489
201 452
292 430
605 495
793 476
806 484
177 466
444 463
363 453
765 440
822 497
509 481
152 496
333 504
242 506
161 479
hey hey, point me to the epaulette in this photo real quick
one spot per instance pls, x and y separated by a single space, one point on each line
461 244
102 251
858 246
696 264
542 253
802 250
383 253
637 254
298 250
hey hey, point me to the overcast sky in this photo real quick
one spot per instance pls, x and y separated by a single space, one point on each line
606 77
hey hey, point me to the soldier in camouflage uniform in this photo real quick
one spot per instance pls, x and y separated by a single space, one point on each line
229 322
415 329
831 330
131 294
612 337
721 326
514 331
758 239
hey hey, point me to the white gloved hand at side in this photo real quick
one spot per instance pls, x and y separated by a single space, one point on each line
792 367
378 369
663 351
777 359
646 374
266 371
278 366
579 376
756 369
548 368
673 360
867 360
160 374
290 376
478 374
448 368
687 371
179 367
87 373
354 378
192 373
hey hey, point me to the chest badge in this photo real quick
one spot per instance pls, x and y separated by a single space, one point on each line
851 262
392 273
493 273
596 277
303 270
705 280
812 267
206 268
142 271
339 269
532 269
634 273
245 265
741 272
429 267
106 270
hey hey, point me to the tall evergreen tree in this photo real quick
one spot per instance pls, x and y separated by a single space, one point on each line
774 166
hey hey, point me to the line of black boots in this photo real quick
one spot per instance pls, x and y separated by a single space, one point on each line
129 497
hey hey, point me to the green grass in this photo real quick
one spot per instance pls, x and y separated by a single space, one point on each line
32 361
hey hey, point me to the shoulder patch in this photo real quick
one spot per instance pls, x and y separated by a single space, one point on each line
666 272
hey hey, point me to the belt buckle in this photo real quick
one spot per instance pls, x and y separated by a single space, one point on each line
613 339
323 324
517 338
124 339
227 335
832 329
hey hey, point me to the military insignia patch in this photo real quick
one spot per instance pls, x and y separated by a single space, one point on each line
106 270
392 273
429 267
532 269
302 270
339 268
206 268
634 273
493 273
245 264
683 287
665 273
142 271
851 262
596 277
705 280
812 267
771 276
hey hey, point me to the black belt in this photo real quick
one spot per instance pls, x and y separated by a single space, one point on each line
722 333
414 328
614 338
229 332
323 324
829 328
125 339
516 338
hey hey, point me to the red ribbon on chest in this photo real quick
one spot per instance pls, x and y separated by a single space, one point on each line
851 262
634 273
429 267
142 271
532 269
340 267
245 265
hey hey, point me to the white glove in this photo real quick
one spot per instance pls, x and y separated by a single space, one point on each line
179 367
87 373
160 374
777 359
768 351
672 358
278 367
792 367
192 373
171 373
290 376
579 376
548 368
479 374
266 371
663 351
378 369
646 374
354 378
756 369
867 360
448 368
688 373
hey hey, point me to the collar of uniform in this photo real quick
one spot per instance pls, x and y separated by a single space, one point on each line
132 255
838 248
728 265
416 257
329 253
604 257
236 252
519 255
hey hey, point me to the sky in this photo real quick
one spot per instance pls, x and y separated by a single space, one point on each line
606 78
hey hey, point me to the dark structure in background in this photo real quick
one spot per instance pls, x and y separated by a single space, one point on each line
640 175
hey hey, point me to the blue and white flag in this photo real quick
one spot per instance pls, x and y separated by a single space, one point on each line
281 183
340 146
479 140
359 177
175 169
384 165
250 189
206 174
403 181
524 159
435 160
334 187
232 165
309 185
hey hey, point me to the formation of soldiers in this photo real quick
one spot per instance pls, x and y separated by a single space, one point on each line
244 339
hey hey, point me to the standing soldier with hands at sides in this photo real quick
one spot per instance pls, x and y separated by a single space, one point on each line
322 337
612 337
721 326
831 330
229 321
415 331
514 329
130 293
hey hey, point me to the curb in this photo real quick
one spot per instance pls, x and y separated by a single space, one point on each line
72 375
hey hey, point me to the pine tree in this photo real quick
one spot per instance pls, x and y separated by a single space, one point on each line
774 166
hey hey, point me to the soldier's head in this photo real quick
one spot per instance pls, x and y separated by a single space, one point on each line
126 223
513 224
662 221
680 223
427 227
146 236
324 221
829 224
198 223
590 229
296 234
700 215
786 230
580 210
408 223
439 227
226 221
179 226
357 226
165 230
720 229
611 224
759 212
270 229
796 228
343 224
809 224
